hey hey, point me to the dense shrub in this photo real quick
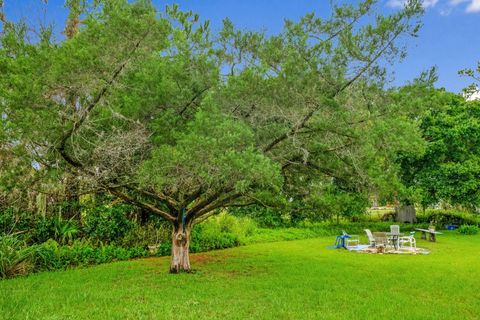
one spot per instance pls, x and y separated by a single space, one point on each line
12 222
53 256
108 223
204 240
468 230
447 217
342 203
264 217
14 257
240 227
56 228
146 235
222 231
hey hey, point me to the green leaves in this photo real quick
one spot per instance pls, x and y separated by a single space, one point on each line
213 152
474 74
449 170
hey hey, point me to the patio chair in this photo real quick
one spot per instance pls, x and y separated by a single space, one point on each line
354 239
395 229
371 239
410 240
394 235
380 239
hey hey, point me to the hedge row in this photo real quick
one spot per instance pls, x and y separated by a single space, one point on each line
441 218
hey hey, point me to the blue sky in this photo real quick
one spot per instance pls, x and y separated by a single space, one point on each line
450 38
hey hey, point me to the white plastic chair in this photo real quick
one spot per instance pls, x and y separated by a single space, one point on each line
354 239
395 229
371 238
410 240
381 239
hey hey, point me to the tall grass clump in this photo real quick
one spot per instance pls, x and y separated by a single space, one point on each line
468 230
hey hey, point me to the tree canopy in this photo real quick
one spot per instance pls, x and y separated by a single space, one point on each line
449 169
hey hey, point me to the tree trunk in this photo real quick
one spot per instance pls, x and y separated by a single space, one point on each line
180 247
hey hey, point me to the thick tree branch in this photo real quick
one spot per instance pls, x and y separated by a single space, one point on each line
204 217
201 203
221 202
171 203
191 197
143 205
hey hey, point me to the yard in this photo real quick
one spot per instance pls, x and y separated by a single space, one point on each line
279 280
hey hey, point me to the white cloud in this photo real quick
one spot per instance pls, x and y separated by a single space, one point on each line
472 7
401 3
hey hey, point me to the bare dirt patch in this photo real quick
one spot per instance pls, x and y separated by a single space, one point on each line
202 258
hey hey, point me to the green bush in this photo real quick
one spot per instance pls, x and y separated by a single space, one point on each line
145 235
447 217
263 217
226 223
12 222
14 257
164 249
56 228
221 231
203 239
53 256
468 230
209 236
108 223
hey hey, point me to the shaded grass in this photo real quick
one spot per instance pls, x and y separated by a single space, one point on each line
281 280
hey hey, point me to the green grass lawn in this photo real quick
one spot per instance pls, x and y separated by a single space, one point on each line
281 280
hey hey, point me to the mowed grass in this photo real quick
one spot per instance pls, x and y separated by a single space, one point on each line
281 280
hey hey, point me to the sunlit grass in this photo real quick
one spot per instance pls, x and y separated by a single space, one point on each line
377 214
281 280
